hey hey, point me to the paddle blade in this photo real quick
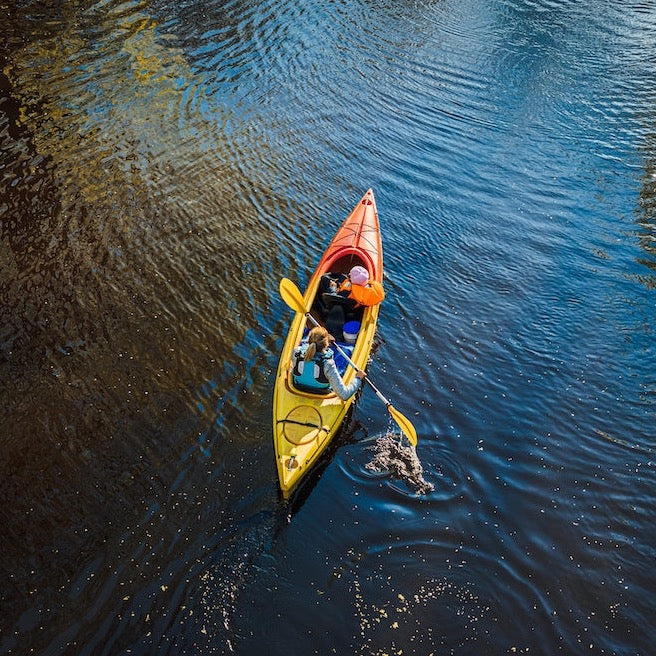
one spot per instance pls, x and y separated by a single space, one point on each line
404 424
292 295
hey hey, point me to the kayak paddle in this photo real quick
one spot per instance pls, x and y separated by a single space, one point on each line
293 297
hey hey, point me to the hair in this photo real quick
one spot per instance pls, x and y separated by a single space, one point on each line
318 340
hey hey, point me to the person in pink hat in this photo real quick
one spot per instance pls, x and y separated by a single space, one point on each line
360 289
358 275
342 297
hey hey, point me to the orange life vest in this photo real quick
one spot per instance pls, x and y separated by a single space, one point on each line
371 294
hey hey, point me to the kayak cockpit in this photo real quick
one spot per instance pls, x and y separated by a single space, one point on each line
333 310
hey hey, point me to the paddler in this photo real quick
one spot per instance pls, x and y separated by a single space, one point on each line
314 366
356 286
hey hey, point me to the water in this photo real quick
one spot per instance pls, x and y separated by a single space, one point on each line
164 165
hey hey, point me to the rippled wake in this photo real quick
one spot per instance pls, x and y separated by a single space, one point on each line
393 455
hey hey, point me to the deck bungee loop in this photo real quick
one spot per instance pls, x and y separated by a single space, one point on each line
299 418
298 423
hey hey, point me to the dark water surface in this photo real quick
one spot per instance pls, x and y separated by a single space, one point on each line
163 165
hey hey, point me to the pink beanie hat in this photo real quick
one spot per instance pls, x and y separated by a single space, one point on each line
359 275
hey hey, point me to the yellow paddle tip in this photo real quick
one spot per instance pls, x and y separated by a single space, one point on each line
404 424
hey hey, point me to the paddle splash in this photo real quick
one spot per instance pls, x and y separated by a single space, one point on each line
394 455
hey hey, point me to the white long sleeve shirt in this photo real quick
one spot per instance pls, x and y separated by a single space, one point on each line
337 384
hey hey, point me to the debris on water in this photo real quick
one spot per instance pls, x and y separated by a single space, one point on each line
392 455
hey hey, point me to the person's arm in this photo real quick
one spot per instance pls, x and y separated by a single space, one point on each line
343 391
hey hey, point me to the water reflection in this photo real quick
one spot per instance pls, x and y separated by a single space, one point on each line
646 225
126 223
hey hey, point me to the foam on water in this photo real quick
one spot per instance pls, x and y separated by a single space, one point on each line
393 454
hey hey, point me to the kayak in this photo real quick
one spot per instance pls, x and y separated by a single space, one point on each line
305 422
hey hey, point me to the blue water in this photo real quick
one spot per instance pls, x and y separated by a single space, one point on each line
164 165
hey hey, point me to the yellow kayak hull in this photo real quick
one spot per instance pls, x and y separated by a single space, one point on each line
304 424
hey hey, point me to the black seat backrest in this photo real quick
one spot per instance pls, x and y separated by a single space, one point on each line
335 322
337 299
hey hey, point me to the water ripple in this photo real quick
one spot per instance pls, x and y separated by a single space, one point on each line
164 164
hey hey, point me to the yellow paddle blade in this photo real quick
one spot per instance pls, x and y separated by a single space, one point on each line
404 424
292 296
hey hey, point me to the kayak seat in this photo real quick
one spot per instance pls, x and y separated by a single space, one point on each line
329 300
312 390
351 312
